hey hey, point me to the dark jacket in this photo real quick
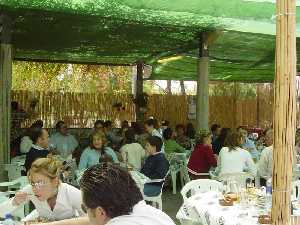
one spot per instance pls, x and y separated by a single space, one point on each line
34 154
156 166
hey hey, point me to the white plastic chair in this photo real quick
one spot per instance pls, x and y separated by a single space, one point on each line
201 185
295 190
14 171
157 200
240 178
178 164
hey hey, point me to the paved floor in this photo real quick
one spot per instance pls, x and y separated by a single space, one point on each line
171 204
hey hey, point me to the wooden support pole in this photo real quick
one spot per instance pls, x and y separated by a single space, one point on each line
5 89
258 105
202 103
284 114
139 90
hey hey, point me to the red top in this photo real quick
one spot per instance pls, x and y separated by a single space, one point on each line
202 159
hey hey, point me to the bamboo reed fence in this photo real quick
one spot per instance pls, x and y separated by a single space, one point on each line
82 109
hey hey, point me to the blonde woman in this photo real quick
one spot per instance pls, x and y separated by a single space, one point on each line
93 154
52 199
234 159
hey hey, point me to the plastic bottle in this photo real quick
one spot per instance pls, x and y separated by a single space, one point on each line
8 220
269 194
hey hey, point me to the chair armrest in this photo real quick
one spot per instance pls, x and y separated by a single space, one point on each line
155 181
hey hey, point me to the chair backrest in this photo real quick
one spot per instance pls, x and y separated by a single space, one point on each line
240 178
295 190
14 171
201 185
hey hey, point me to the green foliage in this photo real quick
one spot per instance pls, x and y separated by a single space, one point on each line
70 78
238 90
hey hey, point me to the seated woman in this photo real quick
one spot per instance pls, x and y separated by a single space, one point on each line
52 199
132 152
218 144
234 159
171 146
94 152
156 166
202 158
181 138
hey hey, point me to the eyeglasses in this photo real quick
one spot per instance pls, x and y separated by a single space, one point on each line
39 184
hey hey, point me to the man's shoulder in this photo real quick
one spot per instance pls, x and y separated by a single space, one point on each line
143 214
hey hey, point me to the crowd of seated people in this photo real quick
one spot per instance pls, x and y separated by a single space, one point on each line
145 148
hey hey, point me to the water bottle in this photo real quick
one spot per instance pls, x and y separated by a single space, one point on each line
8 220
269 194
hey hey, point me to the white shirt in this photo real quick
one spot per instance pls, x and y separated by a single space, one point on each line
68 204
265 163
64 144
134 154
143 214
25 144
235 161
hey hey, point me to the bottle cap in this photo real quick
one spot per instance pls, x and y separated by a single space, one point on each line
8 216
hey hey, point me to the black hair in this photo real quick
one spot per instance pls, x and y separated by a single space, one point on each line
38 123
138 128
214 127
99 122
35 132
110 187
180 126
59 124
167 134
14 105
190 131
150 122
130 136
156 142
107 123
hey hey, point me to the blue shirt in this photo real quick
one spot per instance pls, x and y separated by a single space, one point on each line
90 157
250 146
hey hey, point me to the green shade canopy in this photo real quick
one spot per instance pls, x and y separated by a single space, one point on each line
124 32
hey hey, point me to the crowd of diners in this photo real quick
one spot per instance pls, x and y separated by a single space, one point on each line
108 194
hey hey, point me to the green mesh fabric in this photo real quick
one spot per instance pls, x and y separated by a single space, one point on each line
125 31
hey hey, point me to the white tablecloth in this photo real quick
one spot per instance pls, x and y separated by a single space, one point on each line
205 209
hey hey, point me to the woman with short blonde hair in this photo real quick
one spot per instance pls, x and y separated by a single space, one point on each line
53 199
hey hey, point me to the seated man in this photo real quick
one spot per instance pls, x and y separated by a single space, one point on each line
63 142
39 148
110 196
156 165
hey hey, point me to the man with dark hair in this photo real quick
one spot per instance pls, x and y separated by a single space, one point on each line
62 141
26 142
150 127
215 130
156 165
111 197
39 149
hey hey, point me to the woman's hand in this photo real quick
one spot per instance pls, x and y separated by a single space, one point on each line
19 198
